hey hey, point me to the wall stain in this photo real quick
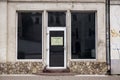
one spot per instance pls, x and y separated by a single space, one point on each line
114 33
100 42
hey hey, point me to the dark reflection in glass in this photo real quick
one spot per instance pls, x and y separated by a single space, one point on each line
83 35
29 35
56 19
56 50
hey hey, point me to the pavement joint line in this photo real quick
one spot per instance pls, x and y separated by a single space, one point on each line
32 75
93 75
18 75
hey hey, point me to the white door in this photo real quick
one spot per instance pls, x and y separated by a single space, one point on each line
56 44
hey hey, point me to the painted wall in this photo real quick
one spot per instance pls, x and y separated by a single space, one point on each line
115 38
115 31
3 31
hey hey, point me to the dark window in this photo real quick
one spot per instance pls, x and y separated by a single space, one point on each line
29 35
56 19
83 35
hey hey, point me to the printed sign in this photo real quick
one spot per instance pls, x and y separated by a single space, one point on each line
56 41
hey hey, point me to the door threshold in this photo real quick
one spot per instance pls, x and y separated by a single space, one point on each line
57 74
67 70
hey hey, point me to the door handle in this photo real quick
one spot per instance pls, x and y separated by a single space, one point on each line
64 48
47 49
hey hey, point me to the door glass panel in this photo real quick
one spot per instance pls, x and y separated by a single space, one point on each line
56 19
83 35
56 49
29 35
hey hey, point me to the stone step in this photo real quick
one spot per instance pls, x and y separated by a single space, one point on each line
45 70
56 71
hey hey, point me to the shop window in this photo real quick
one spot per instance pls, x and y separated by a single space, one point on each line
83 35
56 19
29 43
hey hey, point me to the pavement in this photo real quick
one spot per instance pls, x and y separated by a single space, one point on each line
59 77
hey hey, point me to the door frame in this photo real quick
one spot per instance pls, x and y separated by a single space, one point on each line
48 36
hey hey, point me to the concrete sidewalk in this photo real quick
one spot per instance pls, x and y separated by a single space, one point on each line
43 77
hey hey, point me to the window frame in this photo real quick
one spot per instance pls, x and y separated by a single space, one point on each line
26 60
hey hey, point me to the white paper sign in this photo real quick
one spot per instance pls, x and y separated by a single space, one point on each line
56 41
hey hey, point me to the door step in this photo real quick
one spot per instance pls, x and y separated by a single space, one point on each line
56 70
56 74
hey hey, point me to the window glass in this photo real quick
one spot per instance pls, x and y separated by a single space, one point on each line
29 35
56 19
83 35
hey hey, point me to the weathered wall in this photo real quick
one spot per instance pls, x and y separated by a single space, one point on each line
115 36
115 31
115 2
3 31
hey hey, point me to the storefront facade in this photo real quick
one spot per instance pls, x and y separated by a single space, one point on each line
41 35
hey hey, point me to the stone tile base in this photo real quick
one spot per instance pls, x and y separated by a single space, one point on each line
37 67
21 68
88 67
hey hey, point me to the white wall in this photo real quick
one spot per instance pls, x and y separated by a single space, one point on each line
3 30
115 38
115 31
